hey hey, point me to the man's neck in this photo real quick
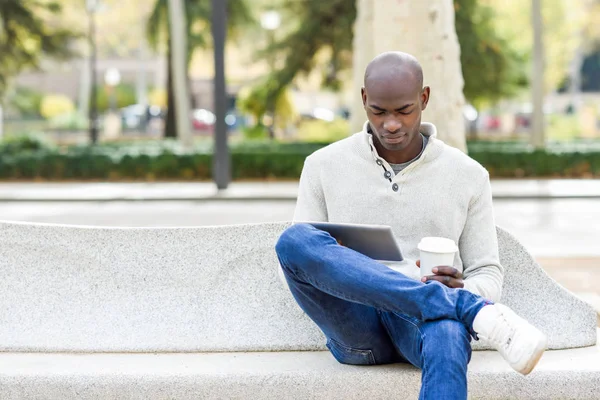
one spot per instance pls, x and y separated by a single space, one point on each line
403 156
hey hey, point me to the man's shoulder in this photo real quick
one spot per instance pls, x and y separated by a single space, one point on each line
458 160
332 151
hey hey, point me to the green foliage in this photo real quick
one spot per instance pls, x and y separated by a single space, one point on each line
492 69
198 23
256 132
25 37
69 121
54 105
198 18
253 160
125 96
255 104
32 158
323 131
540 163
19 144
26 102
322 25
563 127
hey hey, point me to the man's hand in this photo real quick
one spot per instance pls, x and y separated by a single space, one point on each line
448 276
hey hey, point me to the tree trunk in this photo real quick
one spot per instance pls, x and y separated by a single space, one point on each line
1 122
426 30
177 30
538 137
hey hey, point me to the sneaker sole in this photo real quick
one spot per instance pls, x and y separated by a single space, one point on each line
535 357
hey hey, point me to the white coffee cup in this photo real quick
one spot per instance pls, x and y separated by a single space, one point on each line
436 252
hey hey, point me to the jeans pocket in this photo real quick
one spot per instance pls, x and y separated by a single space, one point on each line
348 355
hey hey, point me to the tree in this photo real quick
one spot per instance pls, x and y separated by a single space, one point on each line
558 50
178 63
321 25
588 37
538 137
427 30
492 67
564 19
26 37
199 16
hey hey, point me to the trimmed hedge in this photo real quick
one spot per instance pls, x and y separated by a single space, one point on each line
152 161
574 159
539 164
256 160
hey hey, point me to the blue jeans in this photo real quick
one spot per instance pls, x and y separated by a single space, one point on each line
371 314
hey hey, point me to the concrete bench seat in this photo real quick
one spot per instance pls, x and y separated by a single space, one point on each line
563 374
188 313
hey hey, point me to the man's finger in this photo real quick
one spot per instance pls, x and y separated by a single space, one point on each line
450 271
446 280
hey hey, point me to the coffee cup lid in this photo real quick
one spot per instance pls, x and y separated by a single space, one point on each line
437 245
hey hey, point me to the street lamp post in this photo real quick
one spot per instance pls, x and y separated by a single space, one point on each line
92 6
221 160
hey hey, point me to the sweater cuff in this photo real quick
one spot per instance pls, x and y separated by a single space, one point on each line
471 287
477 286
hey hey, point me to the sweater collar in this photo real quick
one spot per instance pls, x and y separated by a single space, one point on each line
432 151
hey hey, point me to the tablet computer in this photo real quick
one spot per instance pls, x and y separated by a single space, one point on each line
374 241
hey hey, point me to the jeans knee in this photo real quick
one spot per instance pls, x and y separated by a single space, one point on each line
292 238
446 341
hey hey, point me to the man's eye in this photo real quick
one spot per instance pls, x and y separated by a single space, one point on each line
406 112
379 113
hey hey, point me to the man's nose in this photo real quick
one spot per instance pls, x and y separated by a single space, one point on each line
392 125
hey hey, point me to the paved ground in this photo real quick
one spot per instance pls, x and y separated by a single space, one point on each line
501 189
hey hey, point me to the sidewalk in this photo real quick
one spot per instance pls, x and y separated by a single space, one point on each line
259 191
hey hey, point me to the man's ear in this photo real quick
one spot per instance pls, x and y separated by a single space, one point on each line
425 93
363 94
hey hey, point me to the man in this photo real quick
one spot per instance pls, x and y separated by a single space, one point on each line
396 172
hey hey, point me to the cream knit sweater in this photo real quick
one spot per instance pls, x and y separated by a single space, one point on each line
443 193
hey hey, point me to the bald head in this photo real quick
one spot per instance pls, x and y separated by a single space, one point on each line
394 99
395 66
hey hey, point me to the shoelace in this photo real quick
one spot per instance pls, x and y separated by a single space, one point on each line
502 333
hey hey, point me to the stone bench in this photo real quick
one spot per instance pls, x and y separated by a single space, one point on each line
200 313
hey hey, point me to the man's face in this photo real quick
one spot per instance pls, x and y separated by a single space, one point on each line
394 108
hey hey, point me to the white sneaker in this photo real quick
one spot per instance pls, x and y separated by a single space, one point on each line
520 343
